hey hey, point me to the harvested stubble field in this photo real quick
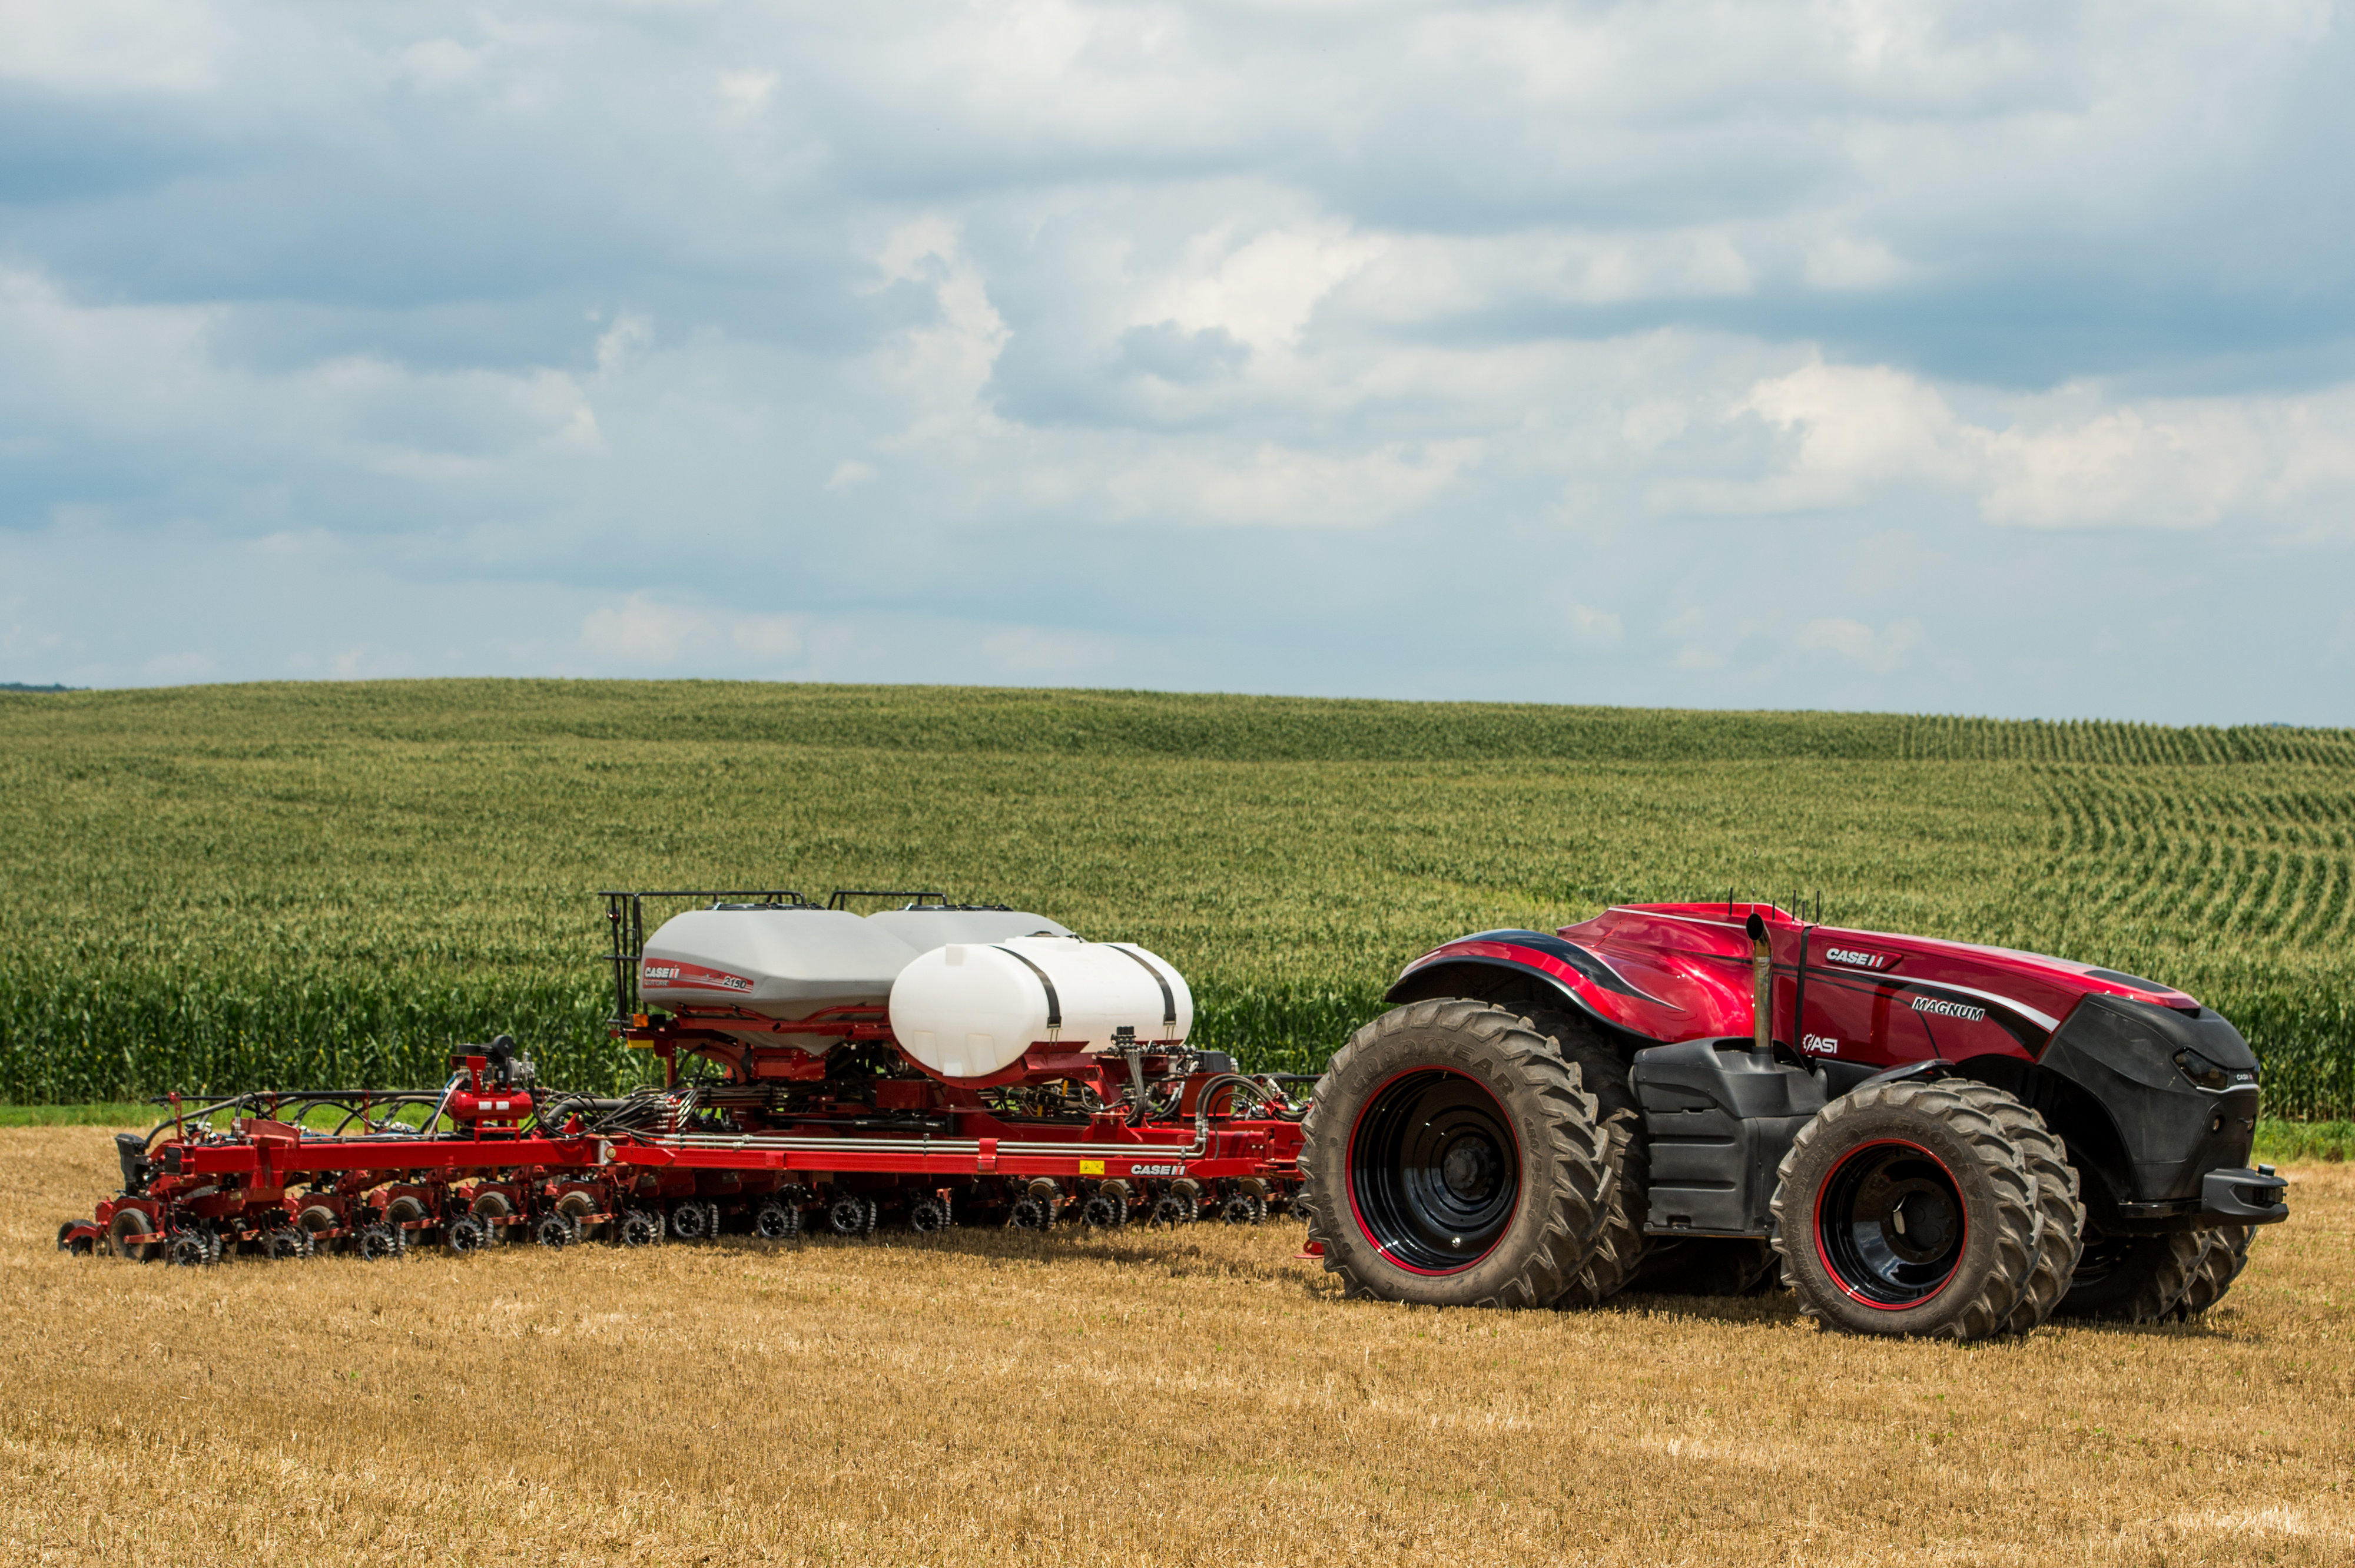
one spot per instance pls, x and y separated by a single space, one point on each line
1185 1397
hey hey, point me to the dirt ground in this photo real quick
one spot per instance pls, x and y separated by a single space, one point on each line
1188 1397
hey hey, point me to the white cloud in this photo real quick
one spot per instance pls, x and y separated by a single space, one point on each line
1882 650
1591 625
643 631
112 47
2079 458
1032 653
746 90
2176 463
1262 291
1620 317
623 344
179 668
441 63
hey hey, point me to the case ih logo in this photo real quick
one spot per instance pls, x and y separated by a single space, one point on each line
674 976
1859 958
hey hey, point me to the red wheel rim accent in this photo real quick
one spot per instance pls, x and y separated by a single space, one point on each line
1871 1190
1432 1158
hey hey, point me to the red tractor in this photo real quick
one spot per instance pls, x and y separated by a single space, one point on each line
1930 1137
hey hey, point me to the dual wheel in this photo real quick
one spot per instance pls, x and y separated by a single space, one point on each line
1461 1155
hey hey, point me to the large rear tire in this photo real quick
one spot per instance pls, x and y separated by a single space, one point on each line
1619 1250
1905 1208
1453 1159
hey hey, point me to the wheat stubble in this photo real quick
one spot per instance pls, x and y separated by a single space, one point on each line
1156 1397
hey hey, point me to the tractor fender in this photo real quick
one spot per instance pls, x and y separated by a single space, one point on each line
1496 965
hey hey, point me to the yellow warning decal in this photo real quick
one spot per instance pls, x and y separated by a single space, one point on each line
1090 1167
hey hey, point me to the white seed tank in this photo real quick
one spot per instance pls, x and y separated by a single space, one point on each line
968 1008
783 961
788 962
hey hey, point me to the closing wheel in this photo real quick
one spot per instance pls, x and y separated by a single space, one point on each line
1906 1209
465 1234
691 1221
639 1227
555 1231
190 1249
1453 1159
378 1241
287 1242
928 1216
853 1215
1171 1210
778 1221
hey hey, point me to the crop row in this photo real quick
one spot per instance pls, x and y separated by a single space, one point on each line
66 1043
291 885
296 720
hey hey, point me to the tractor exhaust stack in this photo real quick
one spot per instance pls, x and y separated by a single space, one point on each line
1762 984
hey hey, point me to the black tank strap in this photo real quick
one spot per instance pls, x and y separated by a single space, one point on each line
1168 997
1054 1002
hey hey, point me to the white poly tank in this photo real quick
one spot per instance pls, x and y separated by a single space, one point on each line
969 1009
782 962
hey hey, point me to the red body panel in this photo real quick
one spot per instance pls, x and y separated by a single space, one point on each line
1673 972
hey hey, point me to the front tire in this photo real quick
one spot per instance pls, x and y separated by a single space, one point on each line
2227 1255
2059 1232
1905 1208
2136 1279
1453 1158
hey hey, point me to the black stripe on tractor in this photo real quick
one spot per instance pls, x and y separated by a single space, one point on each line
1168 997
2030 1037
1406 989
1054 1002
1586 962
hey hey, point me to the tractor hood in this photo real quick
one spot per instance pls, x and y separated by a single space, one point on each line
1672 972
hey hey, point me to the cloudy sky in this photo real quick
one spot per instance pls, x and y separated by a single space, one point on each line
1983 357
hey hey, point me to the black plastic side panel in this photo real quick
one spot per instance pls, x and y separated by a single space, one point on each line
1717 1121
2174 1133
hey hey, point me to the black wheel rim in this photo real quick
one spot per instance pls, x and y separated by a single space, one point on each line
1435 1171
1890 1225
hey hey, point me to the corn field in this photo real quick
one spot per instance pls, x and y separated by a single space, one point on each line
331 884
